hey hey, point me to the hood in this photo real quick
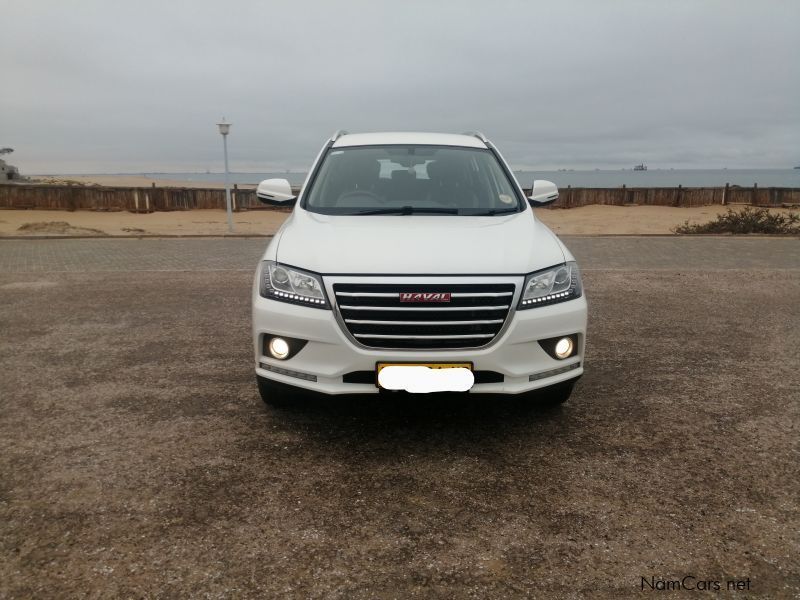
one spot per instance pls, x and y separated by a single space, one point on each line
417 244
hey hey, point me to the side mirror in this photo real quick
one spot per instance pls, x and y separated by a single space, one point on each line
543 193
277 192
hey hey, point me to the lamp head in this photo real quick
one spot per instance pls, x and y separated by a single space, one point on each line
224 127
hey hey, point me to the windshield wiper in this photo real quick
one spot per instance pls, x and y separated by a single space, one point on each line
494 211
409 210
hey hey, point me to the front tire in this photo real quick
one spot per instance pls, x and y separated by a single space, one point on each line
276 394
557 394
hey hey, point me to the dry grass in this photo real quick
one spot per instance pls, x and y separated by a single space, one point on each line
749 220
58 228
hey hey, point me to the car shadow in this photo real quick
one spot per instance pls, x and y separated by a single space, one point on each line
447 417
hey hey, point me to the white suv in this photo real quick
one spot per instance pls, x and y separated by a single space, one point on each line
413 261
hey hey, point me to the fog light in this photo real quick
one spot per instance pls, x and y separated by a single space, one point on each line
279 348
564 348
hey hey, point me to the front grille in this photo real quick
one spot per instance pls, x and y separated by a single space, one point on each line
376 318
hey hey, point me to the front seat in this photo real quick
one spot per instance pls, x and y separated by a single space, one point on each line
450 183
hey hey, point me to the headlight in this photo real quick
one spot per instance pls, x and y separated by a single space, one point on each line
289 284
556 284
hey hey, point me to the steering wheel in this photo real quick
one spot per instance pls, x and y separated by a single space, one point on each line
362 193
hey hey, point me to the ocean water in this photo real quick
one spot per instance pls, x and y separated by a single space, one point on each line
591 179
666 178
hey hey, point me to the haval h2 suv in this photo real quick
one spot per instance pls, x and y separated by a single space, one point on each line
414 261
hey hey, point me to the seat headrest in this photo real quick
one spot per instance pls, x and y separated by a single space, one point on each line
362 169
401 175
446 168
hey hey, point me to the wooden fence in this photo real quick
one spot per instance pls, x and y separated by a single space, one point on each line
151 199
679 196
133 199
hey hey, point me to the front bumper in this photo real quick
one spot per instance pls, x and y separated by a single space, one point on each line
330 353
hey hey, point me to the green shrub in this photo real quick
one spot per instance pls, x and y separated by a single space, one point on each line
749 220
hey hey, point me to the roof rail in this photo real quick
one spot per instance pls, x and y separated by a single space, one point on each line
339 133
477 134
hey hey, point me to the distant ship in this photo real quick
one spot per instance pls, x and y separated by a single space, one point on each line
641 167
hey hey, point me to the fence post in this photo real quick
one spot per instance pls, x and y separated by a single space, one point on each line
753 197
73 199
234 205
725 194
624 194
147 199
678 191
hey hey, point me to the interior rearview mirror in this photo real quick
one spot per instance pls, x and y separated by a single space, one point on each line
275 191
543 193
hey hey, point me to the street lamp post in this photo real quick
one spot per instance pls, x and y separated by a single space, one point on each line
224 129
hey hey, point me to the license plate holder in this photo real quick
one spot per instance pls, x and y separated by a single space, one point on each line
430 365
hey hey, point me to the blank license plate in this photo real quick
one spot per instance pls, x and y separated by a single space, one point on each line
422 378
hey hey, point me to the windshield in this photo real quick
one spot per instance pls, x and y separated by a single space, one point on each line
408 179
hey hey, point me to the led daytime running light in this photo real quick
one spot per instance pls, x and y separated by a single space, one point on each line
575 289
269 281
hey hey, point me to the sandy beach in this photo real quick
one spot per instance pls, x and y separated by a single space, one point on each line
82 223
588 220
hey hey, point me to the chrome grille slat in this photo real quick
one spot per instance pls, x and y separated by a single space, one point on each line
397 294
371 322
422 337
421 308
374 315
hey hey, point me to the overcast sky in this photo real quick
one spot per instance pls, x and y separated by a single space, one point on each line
120 86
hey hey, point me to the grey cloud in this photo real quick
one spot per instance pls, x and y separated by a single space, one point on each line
118 86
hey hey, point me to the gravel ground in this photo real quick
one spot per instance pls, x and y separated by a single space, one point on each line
136 459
